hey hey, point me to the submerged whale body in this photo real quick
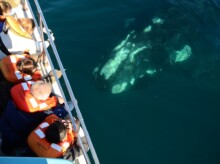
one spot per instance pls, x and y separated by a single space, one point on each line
141 55
129 61
174 37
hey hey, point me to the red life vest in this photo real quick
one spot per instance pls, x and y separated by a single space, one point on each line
26 102
41 147
12 74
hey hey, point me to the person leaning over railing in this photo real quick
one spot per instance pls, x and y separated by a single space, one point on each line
34 96
53 138
16 37
16 125
20 68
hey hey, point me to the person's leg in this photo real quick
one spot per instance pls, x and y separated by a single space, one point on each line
27 153
5 87
6 147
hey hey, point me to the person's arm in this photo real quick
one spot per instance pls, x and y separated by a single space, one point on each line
37 75
23 4
60 99
2 18
55 100
68 155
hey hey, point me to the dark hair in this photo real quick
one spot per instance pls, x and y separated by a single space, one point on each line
27 66
56 132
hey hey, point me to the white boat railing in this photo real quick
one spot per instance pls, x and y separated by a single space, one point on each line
67 85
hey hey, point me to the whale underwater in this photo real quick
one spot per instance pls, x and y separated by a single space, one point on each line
170 39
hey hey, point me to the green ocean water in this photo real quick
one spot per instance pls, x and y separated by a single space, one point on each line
173 119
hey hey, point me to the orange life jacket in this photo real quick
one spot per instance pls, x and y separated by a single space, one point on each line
12 74
41 147
25 101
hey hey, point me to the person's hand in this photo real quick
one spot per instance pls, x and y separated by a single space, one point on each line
24 7
23 4
2 17
68 124
60 100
